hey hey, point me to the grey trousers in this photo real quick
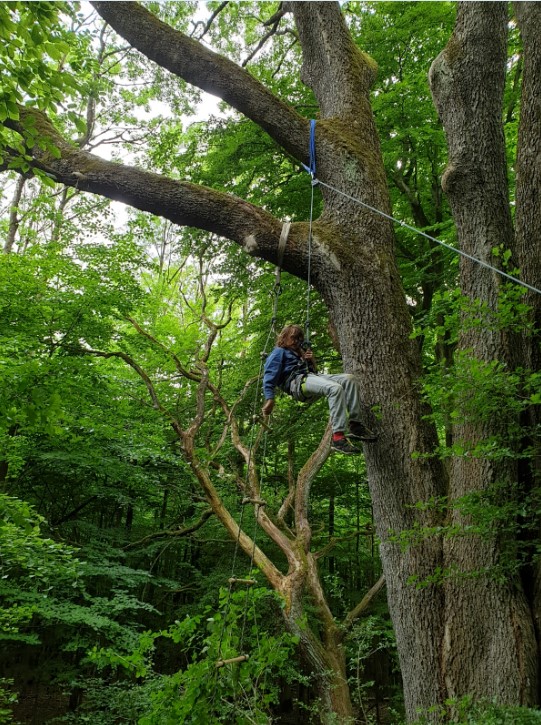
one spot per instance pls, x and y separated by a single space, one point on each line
342 393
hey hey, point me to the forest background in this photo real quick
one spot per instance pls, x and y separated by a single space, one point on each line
130 355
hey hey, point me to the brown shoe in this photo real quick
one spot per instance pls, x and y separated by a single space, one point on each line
361 432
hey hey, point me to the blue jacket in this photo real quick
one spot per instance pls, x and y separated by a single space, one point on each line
278 367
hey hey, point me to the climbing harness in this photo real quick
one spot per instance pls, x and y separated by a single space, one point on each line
296 388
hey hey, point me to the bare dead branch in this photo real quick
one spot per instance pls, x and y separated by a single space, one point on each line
362 606
156 404
251 485
278 15
304 481
138 369
208 24
172 533
273 31
284 56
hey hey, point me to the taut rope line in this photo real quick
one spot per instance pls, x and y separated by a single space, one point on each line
432 239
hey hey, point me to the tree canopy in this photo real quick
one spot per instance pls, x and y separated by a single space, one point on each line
168 555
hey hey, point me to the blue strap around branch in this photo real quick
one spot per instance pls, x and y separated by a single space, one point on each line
312 168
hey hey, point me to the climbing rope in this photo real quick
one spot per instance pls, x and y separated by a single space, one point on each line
277 285
312 171
233 580
259 503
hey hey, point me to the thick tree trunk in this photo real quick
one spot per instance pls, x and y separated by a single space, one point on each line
489 647
368 308
376 346
528 167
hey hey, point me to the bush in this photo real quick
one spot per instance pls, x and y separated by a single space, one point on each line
467 712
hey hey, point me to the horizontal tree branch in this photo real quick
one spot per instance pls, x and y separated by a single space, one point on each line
174 532
193 62
363 605
183 203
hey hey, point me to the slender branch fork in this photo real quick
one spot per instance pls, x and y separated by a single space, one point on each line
294 543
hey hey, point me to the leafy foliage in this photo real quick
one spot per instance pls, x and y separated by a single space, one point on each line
81 444
33 568
202 692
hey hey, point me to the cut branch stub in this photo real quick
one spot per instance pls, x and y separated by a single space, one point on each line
255 501
232 660
246 582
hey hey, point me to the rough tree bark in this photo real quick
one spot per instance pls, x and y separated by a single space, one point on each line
353 268
487 624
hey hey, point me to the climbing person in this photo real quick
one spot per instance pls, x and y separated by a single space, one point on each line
291 366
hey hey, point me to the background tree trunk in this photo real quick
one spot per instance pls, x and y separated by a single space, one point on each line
528 239
489 647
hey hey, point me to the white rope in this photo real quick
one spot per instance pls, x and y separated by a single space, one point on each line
432 239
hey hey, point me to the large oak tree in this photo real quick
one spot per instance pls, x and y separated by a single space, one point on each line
458 636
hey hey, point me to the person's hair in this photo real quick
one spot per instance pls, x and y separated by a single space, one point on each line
289 333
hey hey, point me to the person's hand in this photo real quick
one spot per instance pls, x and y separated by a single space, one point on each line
310 359
268 407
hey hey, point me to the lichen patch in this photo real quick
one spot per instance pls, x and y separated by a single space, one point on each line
334 261
324 251
250 244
